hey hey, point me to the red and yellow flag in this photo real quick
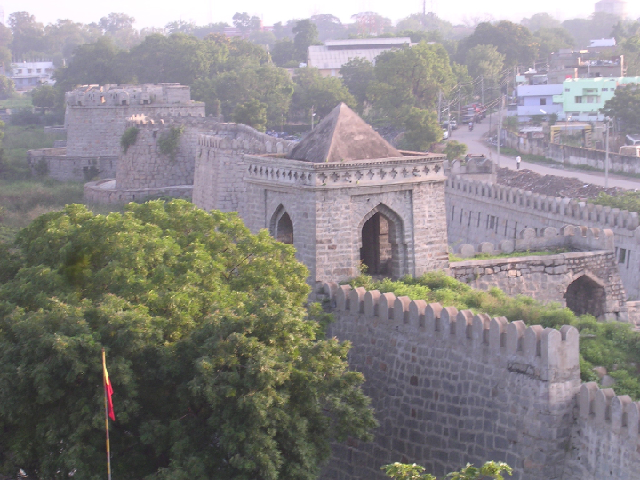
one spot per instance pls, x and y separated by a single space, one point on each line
108 389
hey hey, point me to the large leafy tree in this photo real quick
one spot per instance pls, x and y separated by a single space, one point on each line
408 78
217 368
305 34
512 40
322 94
485 61
28 36
625 107
357 74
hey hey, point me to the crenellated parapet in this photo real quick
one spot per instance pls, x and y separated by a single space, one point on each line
569 237
130 95
608 411
554 354
572 211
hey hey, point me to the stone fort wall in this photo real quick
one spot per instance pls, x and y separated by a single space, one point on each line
451 387
480 212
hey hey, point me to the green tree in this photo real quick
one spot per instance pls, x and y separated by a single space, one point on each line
119 26
403 471
7 87
429 22
598 25
552 39
410 77
218 370
455 149
64 36
485 61
246 23
284 53
312 90
252 113
357 75
28 36
305 34
329 27
539 21
625 107
512 40
421 130
43 97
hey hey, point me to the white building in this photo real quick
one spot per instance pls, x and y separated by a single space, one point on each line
612 7
537 100
328 58
28 75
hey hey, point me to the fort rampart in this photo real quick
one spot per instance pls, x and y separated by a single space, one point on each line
482 212
451 387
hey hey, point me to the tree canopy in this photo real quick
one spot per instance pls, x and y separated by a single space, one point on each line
625 107
218 370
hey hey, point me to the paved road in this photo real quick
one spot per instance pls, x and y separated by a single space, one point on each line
477 145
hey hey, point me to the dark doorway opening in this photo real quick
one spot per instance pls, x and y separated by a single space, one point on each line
585 296
284 229
377 249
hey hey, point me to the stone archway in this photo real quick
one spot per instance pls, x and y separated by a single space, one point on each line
382 249
586 296
281 226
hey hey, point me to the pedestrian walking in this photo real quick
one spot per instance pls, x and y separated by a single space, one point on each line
518 159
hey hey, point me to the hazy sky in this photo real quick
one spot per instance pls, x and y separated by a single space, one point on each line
160 12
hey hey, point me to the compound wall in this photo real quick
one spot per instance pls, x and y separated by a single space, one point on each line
452 387
480 212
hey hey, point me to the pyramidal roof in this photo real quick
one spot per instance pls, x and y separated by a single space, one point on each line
342 136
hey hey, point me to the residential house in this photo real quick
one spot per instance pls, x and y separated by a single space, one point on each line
28 75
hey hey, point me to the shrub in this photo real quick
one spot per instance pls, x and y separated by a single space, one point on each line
128 138
169 142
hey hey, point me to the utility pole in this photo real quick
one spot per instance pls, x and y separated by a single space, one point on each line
499 128
482 79
606 155
312 114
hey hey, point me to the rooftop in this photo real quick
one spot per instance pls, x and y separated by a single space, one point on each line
342 136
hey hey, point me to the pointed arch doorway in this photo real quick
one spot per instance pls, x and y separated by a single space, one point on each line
382 250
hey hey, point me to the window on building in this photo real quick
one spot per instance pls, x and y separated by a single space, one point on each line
38 70
578 99
543 101
623 255
605 89
567 90
19 71
29 70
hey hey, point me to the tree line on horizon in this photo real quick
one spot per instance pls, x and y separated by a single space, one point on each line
241 78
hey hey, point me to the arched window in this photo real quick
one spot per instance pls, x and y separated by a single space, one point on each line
382 249
585 296
281 226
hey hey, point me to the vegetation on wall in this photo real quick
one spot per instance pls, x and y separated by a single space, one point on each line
614 345
626 200
129 137
404 471
169 142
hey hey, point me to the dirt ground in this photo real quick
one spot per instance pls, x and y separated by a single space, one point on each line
551 185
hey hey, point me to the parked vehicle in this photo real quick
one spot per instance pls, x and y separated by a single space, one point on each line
445 134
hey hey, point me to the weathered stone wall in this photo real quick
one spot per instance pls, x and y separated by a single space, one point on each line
547 278
330 202
103 192
604 440
65 168
480 212
452 387
569 155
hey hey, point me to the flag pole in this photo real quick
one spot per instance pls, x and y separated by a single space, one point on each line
106 414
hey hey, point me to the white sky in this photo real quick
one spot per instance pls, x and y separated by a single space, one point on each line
157 13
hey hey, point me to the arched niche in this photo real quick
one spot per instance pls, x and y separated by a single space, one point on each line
381 239
281 226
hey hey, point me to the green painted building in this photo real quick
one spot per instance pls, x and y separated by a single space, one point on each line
582 98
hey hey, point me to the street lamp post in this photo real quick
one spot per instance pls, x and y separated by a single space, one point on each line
606 153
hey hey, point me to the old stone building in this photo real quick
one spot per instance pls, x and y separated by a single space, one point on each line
95 120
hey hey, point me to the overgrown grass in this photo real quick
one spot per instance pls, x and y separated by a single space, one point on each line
17 140
627 200
614 345
487 256
23 201
17 101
